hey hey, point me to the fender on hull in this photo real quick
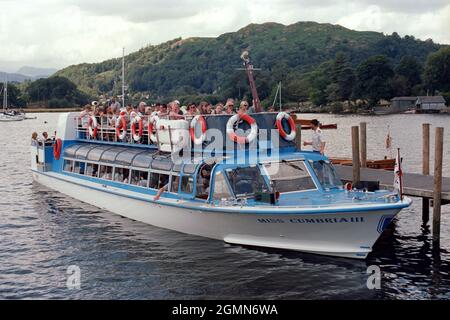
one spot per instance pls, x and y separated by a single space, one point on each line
349 234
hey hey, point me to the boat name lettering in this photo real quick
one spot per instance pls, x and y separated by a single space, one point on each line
313 220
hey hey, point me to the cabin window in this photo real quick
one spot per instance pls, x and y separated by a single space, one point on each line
158 180
289 176
68 165
326 174
78 167
246 181
221 190
139 178
175 183
106 172
187 184
121 175
92 169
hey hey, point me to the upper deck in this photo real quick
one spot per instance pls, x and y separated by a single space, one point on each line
215 137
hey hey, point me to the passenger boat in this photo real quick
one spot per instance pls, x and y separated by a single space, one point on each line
235 178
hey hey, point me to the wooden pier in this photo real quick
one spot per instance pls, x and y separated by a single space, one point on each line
416 185
433 190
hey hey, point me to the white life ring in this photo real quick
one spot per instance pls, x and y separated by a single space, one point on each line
195 139
283 133
137 119
92 126
121 127
151 124
242 139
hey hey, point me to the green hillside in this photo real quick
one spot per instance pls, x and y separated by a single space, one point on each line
193 66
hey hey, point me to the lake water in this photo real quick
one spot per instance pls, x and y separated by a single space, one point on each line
43 232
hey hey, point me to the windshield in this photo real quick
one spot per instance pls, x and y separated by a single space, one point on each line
246 181
326 174
289 176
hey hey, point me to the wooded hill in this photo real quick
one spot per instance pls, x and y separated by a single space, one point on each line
188 68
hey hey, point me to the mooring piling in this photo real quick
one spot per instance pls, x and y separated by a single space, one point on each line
433 189
437 199
298 136
363 143
425 169
355 154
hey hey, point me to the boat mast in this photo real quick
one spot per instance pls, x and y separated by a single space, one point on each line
5 94
251 80
123 77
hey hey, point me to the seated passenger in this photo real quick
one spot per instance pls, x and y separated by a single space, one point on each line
118 175
203 182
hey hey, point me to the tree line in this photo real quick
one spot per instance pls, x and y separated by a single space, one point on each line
330 83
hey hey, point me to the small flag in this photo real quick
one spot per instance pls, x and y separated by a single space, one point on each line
398 175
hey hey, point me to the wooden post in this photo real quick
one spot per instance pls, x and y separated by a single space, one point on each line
355 154
438 155
298 136
425 169
363 144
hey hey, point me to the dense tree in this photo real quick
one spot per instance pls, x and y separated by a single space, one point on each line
411 69
373 79
437 70
343 76
15 98
58 89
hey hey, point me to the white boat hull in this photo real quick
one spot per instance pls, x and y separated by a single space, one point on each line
347 234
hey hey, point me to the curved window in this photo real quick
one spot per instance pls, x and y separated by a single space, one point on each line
139 178
121 175
246 181
221 189
326 174
106 172
289 176
187 184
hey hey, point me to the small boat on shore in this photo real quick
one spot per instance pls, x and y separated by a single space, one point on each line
385 164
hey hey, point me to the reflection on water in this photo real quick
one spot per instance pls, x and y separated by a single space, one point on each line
44 232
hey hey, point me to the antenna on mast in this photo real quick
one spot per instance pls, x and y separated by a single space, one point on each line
249 68
123 77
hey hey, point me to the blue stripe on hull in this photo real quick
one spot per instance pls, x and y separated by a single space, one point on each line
397 206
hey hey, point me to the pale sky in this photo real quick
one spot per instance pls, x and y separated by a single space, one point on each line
58 33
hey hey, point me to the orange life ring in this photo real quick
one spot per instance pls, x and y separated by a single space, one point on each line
138 136
121 124
151 127
242 139
287 136
57 146
199 140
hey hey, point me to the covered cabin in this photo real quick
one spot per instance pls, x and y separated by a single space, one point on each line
430 103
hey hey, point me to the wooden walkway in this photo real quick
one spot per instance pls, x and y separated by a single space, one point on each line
416 185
